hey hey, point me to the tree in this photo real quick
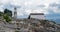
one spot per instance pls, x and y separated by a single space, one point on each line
7 18
7 15
8 12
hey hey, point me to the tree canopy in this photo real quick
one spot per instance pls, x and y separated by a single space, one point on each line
7 15
7 18
8 12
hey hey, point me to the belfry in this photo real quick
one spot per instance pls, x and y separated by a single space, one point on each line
15 12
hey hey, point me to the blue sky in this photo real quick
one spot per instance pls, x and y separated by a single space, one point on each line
51 8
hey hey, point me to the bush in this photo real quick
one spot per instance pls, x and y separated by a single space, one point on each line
16 31
7 18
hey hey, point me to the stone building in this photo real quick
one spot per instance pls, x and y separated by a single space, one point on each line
15 13
37 16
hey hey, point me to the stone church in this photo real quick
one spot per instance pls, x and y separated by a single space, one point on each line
39 16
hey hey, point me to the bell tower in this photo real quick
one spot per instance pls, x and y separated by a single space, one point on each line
15 12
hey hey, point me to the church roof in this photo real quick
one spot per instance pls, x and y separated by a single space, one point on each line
36 13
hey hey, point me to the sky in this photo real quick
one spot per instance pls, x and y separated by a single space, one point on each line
51 8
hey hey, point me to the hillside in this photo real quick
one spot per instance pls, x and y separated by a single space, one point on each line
30 25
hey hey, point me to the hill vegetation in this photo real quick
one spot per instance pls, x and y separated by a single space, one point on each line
7 15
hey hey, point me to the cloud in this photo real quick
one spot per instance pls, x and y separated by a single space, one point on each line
25 7
55 7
